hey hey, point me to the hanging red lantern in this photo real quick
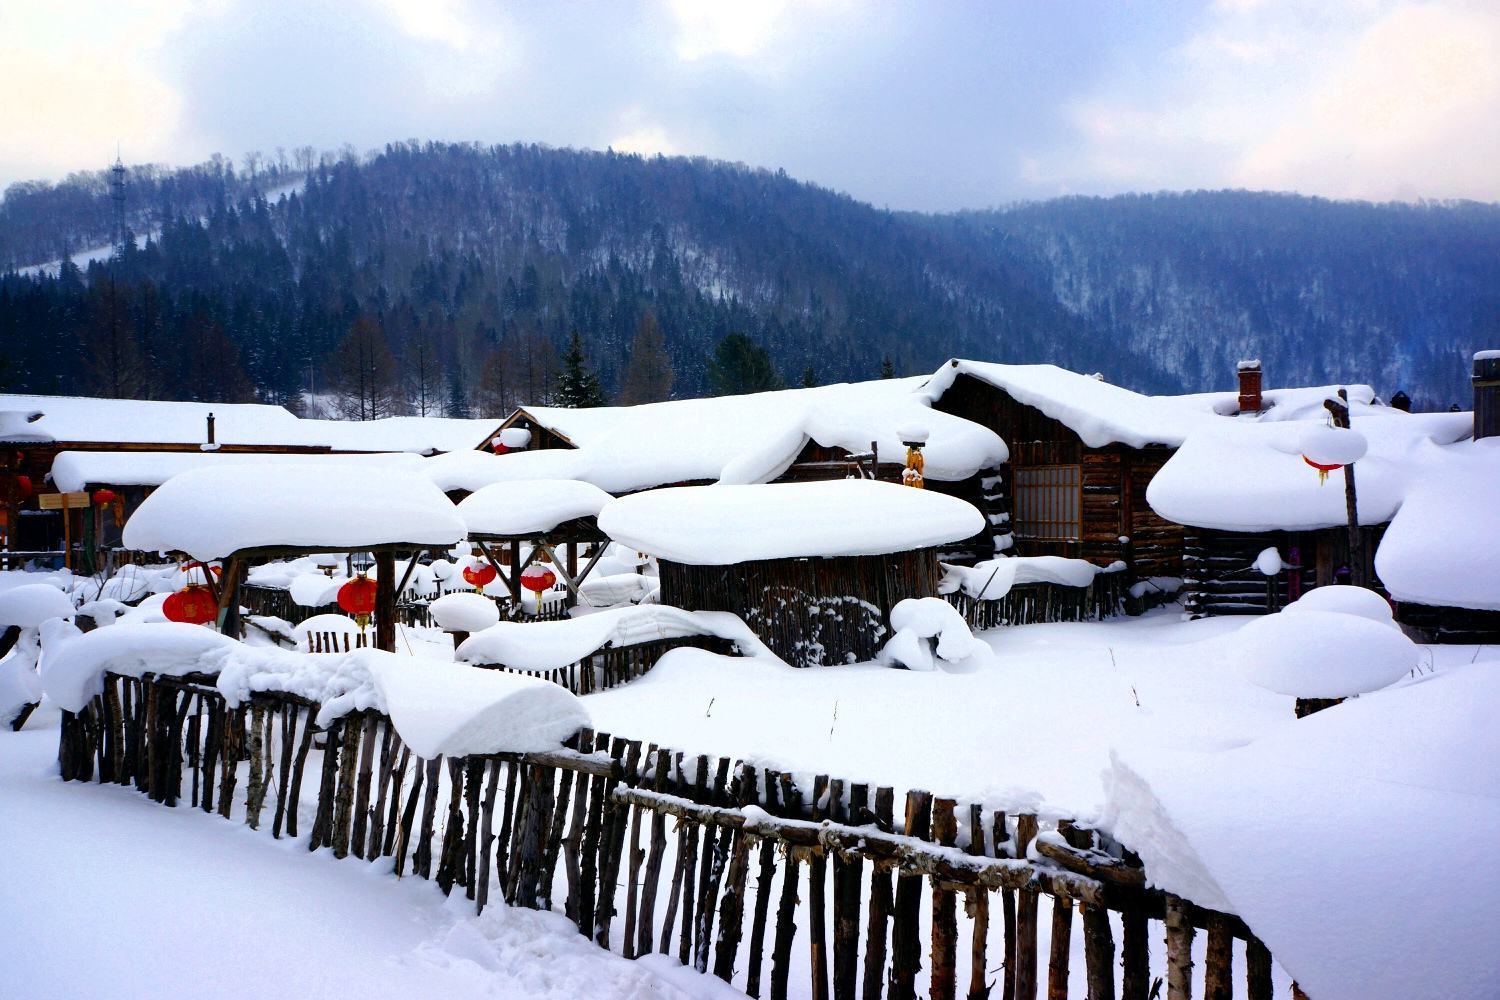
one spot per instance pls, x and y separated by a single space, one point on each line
104 498
499 447
358 598
15 489
479 576
1323 469
537 578
192 604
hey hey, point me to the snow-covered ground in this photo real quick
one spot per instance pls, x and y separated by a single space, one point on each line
1042 717
123 898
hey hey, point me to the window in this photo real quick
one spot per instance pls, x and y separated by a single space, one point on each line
1049 502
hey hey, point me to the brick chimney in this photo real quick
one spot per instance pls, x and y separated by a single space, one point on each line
1249 372
1486 394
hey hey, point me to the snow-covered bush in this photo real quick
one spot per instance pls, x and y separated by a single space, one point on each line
26 608
464 612
928 629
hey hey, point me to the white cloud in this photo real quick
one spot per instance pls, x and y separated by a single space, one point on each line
737 28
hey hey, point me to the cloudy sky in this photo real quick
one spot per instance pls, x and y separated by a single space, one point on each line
931 105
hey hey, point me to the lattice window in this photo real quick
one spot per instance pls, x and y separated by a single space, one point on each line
1048 502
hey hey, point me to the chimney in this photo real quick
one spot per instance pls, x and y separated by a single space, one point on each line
1249 372
1486 394
1401 401
211 428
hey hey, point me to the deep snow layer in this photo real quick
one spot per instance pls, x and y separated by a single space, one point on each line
119 892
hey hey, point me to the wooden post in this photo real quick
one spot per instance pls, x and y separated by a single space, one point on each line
1340 411
944 980
385 601
1179 950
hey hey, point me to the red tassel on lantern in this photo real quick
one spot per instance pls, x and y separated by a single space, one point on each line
192 604
479 576
358 598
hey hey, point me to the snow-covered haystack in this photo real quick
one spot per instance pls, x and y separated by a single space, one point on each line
437 707
928 629
464 612
1322 654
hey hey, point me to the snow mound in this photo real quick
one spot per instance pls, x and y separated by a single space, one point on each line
925 626
31 604
314 590
548 645
456 710
528 506
1322 654
616 588
437 707
464 612
1307 835
992 579
211 513
722 525
1346 599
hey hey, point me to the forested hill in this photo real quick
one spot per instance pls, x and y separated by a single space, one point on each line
473 265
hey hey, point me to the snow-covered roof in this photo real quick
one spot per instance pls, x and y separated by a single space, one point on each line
529 506
141 421
1249 475
1441 545
548 645
1102 414
721 525
751 438
211 513
76 470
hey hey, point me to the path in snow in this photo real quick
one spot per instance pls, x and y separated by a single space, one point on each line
107 894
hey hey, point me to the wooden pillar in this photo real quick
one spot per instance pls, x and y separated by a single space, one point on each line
515 572
229 595
385 601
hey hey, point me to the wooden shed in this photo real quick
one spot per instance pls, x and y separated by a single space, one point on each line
813 568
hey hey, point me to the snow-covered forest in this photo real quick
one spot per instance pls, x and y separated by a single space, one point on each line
473 265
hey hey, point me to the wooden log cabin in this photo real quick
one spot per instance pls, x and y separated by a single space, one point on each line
813 568
1081 454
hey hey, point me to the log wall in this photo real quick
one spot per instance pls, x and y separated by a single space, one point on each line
1220 577
876 893
810 612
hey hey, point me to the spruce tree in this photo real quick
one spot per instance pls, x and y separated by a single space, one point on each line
809 377
887 370
577 386
648 378
740 365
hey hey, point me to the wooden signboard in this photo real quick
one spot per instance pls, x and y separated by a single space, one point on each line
62 501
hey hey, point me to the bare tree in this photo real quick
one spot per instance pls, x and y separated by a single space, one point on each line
362 373
648 377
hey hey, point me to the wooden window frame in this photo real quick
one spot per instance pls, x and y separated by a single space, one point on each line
1051 502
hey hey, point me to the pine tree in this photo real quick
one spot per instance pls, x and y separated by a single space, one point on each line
887 370
740 365
577 386
809 377
648 379
424 374
458 399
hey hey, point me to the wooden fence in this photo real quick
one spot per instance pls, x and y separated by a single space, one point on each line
850 890
1029 603
277 603
615 665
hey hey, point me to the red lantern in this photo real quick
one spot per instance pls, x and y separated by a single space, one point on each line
499 447
358 598
105 497
479 576
16 489
192 604
1323 470
537 578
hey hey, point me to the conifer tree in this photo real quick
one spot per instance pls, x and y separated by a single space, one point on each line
740 365
577 386
362 373
887 370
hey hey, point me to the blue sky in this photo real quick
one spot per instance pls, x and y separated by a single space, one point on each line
934 105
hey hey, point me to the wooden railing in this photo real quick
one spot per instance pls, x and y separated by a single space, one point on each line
612 666
1029 603
871 892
